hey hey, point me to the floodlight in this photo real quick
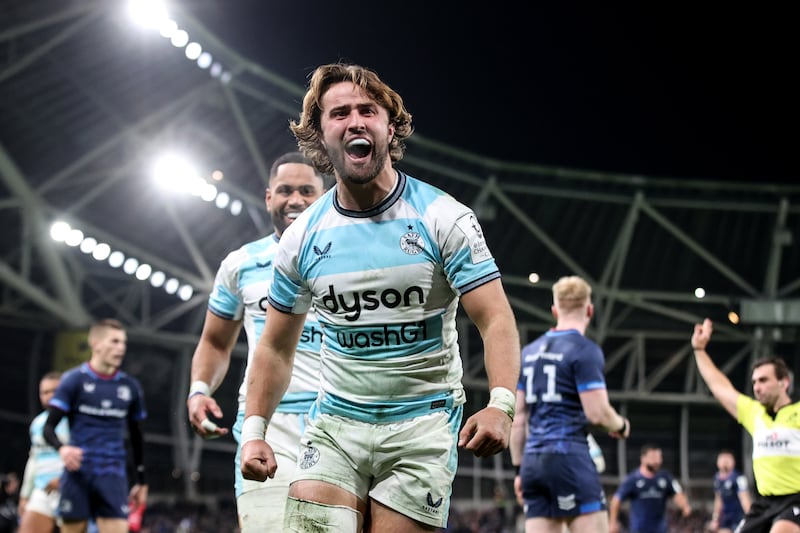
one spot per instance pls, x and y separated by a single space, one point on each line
88 245
116 259
236 207
147 13
185 292
130 265
59 231
193 51
143 272
74 237
179 39
699 293
171 286
222 200
101 251
157 279
205 60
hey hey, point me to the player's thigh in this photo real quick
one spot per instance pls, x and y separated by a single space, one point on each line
785 526
111 525
385 520
590 523
35 522
544 525
415 464
74 526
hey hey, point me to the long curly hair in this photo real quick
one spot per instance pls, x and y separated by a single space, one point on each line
308 131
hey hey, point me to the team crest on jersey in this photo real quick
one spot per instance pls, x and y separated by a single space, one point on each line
322 252
412 243
88 387
124 393
310 457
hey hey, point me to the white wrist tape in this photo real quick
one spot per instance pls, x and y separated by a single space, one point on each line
503 399
199 387
254 427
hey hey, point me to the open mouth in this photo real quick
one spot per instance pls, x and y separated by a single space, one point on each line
358 148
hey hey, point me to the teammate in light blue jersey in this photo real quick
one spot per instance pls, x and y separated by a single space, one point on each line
562 390
102 404
38 497
239 299
384 259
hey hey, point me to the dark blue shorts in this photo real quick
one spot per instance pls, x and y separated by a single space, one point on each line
557 485
85 496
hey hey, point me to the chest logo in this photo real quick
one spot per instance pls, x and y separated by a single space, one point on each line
412 243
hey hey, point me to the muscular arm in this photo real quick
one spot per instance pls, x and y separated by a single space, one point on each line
271 367
487 432
682 502
613 511
600 413
212 356
744 499
488 308
717 382
519 429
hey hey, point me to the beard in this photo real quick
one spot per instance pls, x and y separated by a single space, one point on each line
651 468
364 174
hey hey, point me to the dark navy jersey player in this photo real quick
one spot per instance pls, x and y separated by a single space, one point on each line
561 391
102 403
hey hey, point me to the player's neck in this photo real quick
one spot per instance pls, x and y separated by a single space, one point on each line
362 197
102 369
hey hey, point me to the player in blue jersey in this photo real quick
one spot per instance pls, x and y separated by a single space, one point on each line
649 488
239 299
561 391
38 501
384 259
101 402
731 494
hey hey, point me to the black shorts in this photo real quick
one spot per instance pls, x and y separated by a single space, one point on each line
765 510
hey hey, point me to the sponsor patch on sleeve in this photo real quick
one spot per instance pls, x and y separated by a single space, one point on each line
477 244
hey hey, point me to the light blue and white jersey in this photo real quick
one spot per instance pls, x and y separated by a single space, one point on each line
47 464
385 284
240 293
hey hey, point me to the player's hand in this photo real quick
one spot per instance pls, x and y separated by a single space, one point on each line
486 433
258 461
200 407
52 485
137 496
613 528
518 490
702 334
622 434
72 456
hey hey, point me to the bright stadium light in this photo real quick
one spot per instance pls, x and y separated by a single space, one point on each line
185 292
88 245
74 238
167 28
116 259
175 172
699 293
59 231
179 39
205 60
193 51
236 207
143 272
222 200
157 279
147 13
130 265
101 251
209 192
171 286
